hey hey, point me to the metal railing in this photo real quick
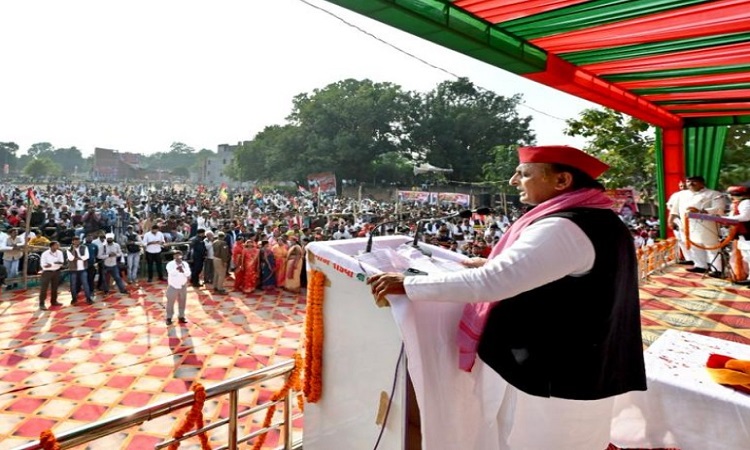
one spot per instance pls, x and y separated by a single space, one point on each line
231 387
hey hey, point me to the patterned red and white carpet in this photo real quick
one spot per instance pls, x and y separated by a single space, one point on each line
73 365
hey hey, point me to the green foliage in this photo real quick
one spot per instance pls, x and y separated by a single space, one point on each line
179 155
367 131
501 168
347 125
735 167
40 149
392 166
457 125
181 171
8 154
623 142
181 149
42 167
70 160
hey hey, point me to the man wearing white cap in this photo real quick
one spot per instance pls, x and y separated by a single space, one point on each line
111 253
547 329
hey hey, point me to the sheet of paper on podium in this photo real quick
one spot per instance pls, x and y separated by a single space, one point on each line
405 256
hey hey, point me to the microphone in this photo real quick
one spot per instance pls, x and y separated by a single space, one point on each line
465 214
368 249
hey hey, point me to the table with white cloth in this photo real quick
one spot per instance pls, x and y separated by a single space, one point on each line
683 407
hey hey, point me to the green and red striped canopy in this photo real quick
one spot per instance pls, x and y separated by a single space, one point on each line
673 63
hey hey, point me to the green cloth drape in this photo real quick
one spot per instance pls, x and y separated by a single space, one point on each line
704 150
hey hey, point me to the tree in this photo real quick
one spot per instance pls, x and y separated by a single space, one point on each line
180 148
392 167
69 159
346 126
179 155
181 171
267 157
735 166
502 166
622 142
40 149
42 167
457 125
8 154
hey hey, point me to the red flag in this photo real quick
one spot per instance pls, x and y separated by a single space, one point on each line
32 197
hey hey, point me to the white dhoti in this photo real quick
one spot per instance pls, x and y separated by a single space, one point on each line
706 234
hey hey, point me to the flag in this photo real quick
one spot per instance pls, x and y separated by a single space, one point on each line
303 191
223 195
32 197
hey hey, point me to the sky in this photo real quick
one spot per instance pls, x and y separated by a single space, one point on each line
137 76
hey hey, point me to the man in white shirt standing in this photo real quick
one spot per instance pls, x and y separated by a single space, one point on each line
178 274
51 262
78 257
111 254
703 233
153 242
674 222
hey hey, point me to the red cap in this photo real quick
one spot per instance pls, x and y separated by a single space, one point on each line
562 154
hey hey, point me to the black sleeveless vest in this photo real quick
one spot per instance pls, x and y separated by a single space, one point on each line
578 337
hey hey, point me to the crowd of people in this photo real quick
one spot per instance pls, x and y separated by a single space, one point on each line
106 232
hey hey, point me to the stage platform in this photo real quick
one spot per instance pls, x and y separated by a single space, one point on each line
73 365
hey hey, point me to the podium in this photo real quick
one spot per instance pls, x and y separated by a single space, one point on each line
361 351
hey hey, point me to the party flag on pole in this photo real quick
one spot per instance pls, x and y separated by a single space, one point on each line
223 195
32 197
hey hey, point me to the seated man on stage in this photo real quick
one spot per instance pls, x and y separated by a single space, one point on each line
740 211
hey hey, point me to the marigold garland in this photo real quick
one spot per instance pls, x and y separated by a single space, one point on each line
688 243
194 419
48 441
294 381
313 385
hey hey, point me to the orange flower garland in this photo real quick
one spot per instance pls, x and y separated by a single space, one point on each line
313 386
48 441
293 382
722 244
194 419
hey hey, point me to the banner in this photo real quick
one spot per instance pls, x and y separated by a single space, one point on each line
322 183
414 196
624 198
453 197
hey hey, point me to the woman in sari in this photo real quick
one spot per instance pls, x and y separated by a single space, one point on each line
280 252
267 268
237 260
251 266
293 265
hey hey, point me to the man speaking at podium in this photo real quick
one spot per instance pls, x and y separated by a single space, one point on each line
554 310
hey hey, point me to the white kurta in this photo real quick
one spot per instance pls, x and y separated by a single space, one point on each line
702 232
743 245
479 410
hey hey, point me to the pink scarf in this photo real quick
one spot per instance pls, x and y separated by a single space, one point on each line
475 314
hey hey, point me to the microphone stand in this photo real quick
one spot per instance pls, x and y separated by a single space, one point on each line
368 249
